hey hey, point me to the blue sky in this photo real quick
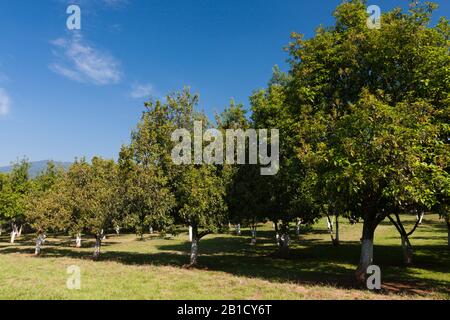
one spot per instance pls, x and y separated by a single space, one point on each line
66 94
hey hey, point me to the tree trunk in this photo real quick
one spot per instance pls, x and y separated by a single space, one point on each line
190 233
277 232
448 236
283 245
283 241
19 233
13 237
420 217
194 252
407 251
253 241
117 230
194 246
366 258
238 229
98 243
336 241
404 236
39 242
330 230
13 233
1 230
448 232
150 230
297 231
78 240
329 224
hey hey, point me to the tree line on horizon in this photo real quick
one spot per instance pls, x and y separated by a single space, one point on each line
364 121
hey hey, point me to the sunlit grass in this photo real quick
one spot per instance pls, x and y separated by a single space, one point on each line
229 268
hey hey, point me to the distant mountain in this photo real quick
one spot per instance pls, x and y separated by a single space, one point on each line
38 167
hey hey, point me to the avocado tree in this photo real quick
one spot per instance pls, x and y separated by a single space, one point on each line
100 200
198 189
371 107
148 159
146 201
72 194
5 193
14 188
202 203
43 212
88 199
245 193
286 197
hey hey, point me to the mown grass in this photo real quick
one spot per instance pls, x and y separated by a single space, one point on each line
229 267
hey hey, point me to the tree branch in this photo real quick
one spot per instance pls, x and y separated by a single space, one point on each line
395 224
202 234
414 228
403 234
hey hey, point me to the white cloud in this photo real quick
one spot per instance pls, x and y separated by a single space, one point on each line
139 91
79 61
5 102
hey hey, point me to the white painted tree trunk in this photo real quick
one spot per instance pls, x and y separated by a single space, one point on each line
330 230
329 224
19 233
284 241
407 251
253 241
103 235
420 217
150 230
297 230
78 240
238 229
336 238
194 251
277 233
98 243
117 230
366 259
39 242
1 230
13 233
190 233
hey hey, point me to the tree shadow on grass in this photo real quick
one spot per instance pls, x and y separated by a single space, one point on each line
311 262
26 245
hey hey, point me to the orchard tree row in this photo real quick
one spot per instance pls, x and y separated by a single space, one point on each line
364 121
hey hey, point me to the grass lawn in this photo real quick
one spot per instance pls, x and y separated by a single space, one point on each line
229 267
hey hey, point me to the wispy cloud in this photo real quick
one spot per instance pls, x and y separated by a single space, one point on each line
5 102
79 61
139 91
